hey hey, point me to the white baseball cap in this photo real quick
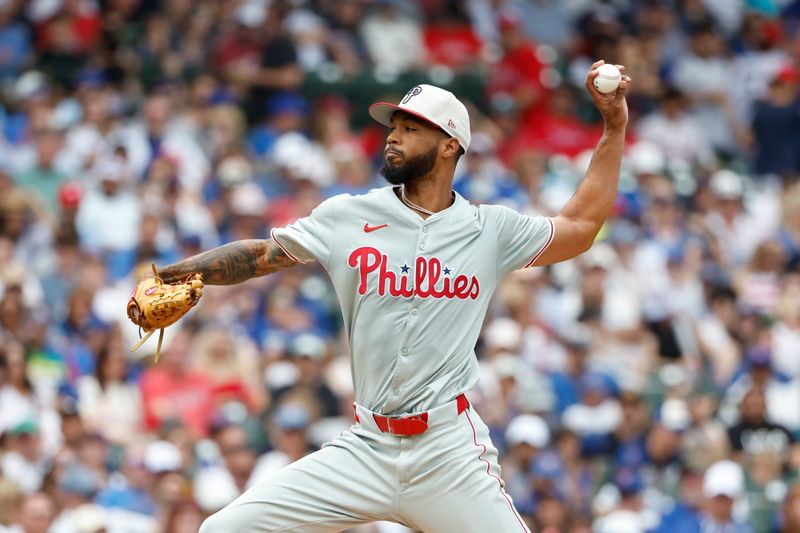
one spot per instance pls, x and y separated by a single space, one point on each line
432 104
723 478
529 429
675 414
726 184
162 456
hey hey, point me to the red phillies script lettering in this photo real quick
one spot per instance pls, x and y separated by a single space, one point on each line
428 279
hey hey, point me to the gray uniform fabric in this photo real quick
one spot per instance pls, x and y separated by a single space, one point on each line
446 480
414 293
411 344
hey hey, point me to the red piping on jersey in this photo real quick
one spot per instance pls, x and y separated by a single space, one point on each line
547 244
488 473
287 252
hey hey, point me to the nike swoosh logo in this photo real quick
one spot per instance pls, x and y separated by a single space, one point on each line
368 228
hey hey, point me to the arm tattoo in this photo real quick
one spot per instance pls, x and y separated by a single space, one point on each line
231 263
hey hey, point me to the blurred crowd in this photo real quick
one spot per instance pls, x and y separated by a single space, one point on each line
652 384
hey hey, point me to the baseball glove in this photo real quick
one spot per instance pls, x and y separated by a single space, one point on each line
156 305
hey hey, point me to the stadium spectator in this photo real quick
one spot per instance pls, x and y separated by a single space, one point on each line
679 134
36 513
775 126
174 391
134 132
108 403
449 38
386 30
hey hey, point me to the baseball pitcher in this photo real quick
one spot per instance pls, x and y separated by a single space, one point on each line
414 266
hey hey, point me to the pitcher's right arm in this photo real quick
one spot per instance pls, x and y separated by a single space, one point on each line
231 263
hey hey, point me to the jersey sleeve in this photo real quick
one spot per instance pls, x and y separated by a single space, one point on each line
309 238
521 239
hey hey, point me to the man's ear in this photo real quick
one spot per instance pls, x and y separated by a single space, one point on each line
450 147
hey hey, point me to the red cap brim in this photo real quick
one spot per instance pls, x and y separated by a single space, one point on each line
383 111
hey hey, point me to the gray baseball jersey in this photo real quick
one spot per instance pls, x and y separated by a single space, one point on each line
413 291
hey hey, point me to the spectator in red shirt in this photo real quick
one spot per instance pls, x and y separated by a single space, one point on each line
449 38
75 28
67 38
517 76
231 365
171 391
257 57
556 131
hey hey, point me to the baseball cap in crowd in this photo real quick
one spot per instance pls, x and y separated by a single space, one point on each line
628 480
594 383
726 184
674 414
646 158
91 78
88 518
251 14
213 488
79 479
505 333
576 336
528 429
432 104
234 170
508 21
788 74
27 426
31 85
248 199
723 478
759 356
287 102
507 365
307 345
162 456
109 169
482 144
624 233
292 416
69 195
620 521
548 465
601 256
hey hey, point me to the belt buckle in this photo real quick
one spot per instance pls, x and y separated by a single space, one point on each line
408 426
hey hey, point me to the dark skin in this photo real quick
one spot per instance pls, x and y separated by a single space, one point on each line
410 136
576 226
231 263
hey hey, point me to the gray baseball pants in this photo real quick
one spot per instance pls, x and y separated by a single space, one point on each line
445 480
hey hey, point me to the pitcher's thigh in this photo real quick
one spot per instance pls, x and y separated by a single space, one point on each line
330 490
461 490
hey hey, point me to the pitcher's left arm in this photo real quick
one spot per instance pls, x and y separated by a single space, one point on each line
579 221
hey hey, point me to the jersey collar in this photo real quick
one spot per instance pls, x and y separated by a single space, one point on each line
456 209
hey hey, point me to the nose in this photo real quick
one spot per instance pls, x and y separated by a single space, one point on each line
393 137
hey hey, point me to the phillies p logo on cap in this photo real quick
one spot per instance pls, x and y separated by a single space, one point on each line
410 94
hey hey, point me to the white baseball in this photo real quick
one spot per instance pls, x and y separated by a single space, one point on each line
607 79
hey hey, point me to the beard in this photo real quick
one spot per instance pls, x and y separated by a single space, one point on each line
411 169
